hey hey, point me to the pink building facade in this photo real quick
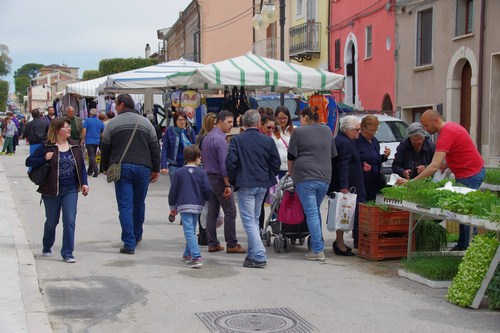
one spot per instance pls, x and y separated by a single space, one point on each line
362 47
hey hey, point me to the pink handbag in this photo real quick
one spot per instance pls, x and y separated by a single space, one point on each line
290 211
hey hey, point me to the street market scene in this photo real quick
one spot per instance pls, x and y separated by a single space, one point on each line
258 166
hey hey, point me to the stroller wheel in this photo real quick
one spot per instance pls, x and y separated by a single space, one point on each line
267 238
293 241
286 244
278 244
302 241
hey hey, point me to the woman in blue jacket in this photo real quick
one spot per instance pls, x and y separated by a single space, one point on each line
175 139
371 159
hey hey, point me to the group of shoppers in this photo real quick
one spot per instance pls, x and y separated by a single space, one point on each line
249 165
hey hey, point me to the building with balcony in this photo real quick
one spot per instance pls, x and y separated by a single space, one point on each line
362 47
448 58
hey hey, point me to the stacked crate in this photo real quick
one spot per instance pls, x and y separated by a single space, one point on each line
383 234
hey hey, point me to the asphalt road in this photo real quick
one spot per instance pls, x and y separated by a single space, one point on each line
153 291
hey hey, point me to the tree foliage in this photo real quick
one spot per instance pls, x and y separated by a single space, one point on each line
90 75
4 93
5 60
118 65
21 84
29 70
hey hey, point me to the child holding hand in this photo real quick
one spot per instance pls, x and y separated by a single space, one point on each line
189 191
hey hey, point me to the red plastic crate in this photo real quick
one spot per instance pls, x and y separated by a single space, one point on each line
380 246
373 219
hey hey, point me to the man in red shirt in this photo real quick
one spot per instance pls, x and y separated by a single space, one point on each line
455 145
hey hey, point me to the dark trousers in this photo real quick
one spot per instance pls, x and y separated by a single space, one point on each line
228 207
92 151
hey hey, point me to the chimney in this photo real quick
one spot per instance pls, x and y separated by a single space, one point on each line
148 51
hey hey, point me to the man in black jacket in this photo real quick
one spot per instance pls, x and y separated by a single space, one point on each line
36 130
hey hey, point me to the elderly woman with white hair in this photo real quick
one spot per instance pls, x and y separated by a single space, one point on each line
414 153
348 173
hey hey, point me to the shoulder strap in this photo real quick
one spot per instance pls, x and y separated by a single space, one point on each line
129 142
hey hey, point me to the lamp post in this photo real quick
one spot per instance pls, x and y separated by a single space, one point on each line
269 14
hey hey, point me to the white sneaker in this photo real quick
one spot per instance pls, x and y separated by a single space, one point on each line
70 260
315 256
47 254
195 263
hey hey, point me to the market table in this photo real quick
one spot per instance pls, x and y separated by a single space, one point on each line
439 214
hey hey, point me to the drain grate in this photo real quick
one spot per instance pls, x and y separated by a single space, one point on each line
282 320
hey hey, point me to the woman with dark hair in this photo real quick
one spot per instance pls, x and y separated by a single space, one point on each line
371 159
310 155
67 176
281 136
175 139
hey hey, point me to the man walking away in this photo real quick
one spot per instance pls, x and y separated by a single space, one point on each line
252 164
140 166
91 136
36 131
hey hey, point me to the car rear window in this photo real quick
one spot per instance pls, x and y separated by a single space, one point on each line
391 131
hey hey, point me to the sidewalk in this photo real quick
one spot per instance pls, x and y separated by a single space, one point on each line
21 306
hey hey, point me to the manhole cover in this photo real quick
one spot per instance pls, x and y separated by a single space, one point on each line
257 320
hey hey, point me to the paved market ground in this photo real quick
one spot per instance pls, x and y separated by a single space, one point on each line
152 291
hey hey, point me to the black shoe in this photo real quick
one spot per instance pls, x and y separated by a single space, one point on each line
339 252
250 263
125 250
95 175
347 247
171 218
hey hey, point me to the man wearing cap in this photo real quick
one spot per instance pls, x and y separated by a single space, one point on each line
91 136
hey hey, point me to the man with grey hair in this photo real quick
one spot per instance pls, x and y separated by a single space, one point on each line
91 137
75 122
414 153
252 164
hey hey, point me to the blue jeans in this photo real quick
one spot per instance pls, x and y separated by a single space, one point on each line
171 171
131 192
464 230
189 221
311 194
66 201
249 203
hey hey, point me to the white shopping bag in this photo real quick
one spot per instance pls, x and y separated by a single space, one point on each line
203 217
341 209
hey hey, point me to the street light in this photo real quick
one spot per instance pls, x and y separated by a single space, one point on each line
268 15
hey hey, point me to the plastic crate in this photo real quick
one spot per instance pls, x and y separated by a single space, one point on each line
380 246
452 227
373 219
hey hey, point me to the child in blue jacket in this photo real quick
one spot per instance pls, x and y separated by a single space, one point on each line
189 191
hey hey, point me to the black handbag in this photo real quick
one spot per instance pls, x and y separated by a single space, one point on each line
38 175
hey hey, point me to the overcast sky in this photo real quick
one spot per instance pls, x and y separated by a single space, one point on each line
80 33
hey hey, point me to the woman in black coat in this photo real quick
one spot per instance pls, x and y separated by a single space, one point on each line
347 173
371 159
414 153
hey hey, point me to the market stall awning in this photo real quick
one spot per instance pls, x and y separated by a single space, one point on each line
257 73
84 88
151 77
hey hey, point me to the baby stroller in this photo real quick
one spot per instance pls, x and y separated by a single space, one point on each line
285 235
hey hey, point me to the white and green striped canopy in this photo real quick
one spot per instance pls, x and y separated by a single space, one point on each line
257 73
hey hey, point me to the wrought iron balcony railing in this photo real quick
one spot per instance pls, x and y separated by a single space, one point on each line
305 41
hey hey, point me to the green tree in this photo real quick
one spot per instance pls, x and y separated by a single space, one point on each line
90 75
30 70
21 85
4 93
5 60
118 65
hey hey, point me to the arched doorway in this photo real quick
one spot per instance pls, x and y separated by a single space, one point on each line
351 97
387 103
465 96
